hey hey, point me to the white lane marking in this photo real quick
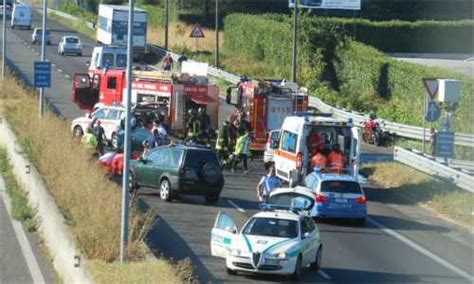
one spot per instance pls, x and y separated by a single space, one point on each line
60 70
324 274
421 249
22 240
236 206
67 76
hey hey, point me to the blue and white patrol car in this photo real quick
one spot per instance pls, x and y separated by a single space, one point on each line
327 196
271 242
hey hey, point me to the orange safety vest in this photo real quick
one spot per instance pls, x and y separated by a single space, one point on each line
318 160
336 160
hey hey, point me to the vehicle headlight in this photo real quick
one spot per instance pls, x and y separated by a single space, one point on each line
235 252
279 256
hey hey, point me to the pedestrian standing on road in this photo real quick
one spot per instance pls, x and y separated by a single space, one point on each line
222 143
100 136
267 183
242 150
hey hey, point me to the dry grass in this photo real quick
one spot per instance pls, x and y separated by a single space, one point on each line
90 202
179 37
444 198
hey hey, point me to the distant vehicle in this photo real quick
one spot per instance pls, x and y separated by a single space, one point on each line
109 117
8 10
272 242
70 44
178 169
108 57
327 196
36 37
271 145
112 27
21 16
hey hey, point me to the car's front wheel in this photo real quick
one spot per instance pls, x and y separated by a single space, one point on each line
132 182
318 259
78 132
297 274
165 190
212 198
231 272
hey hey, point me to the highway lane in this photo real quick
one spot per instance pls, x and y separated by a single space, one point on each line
351 254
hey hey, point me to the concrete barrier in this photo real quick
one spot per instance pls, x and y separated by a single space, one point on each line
67 259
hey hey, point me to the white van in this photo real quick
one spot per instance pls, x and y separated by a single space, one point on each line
21 16
110 57
292 158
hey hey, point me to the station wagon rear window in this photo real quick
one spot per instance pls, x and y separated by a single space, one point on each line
197 159
341 187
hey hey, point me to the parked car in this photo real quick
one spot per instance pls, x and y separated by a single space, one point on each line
36 37
326 196
109 117
179 169
70 44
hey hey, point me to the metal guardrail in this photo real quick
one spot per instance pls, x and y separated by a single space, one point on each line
401 130
434 168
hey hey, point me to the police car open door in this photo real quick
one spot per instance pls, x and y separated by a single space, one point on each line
223 235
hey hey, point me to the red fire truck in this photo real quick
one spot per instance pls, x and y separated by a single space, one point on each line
266 104
174 95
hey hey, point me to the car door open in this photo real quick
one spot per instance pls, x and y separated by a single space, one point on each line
223 235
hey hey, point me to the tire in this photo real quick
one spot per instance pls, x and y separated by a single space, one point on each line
211 174
165 190
231 272
132 182
78 132
79 54
212 198
33 41
13 27
48 43
297 274
318 259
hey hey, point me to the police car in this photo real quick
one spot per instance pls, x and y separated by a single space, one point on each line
327 195
271 242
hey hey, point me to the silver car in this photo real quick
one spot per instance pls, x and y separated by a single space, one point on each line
36 37
70 44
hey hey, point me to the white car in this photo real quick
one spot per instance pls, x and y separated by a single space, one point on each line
109 117
70 44
271 242
327 196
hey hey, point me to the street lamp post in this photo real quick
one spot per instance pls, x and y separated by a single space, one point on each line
4 39
43 43
167 23
294 58
127 142
217 34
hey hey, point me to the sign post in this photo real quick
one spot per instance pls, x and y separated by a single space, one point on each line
42 74
445 145
197 33
431 111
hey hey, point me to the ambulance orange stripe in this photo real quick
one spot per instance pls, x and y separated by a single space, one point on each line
287 155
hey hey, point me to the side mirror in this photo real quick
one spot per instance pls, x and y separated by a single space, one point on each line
234 231
88 115
306 235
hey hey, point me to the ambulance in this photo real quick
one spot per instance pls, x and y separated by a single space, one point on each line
293 155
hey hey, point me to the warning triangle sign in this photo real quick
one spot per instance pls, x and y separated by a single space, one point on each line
431 86
197 32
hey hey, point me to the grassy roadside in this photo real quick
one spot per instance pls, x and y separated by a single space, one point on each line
21 210
89 200
402 183
80 26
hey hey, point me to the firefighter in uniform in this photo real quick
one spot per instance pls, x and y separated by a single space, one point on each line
205 120
222 143
193 126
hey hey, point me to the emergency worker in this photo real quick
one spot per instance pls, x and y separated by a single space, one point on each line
89 140
193 125
318 160
205 122
232 133
267 183
167 62
336 158
242 150
100 136
314 142
222 143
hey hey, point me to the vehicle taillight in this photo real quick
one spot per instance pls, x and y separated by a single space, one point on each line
299 161
320 198
361 200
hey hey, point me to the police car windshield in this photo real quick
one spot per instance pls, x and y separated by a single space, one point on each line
340 187
271 227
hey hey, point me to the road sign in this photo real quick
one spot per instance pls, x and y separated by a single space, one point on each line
197 32
327 4
444 144
42 74
433 112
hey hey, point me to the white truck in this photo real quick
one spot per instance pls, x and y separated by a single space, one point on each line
112 27
21 16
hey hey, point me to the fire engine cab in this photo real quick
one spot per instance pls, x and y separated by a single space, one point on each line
174 95
266 103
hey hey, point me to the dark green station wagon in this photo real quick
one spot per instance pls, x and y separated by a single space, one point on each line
179 169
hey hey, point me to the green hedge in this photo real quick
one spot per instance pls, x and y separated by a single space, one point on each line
338 69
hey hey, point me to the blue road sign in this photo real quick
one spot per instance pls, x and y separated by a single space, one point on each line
42 74
445 144
433 112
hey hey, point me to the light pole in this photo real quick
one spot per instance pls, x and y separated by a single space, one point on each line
216 62
295 43
43 39
4 39
167 23
127 146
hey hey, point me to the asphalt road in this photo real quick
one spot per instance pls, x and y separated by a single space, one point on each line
460 63
400 243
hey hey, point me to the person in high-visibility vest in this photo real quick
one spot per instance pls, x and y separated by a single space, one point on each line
222 143
242 150
336 158
193 125
89 140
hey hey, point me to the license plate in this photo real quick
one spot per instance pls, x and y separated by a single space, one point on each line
341 200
